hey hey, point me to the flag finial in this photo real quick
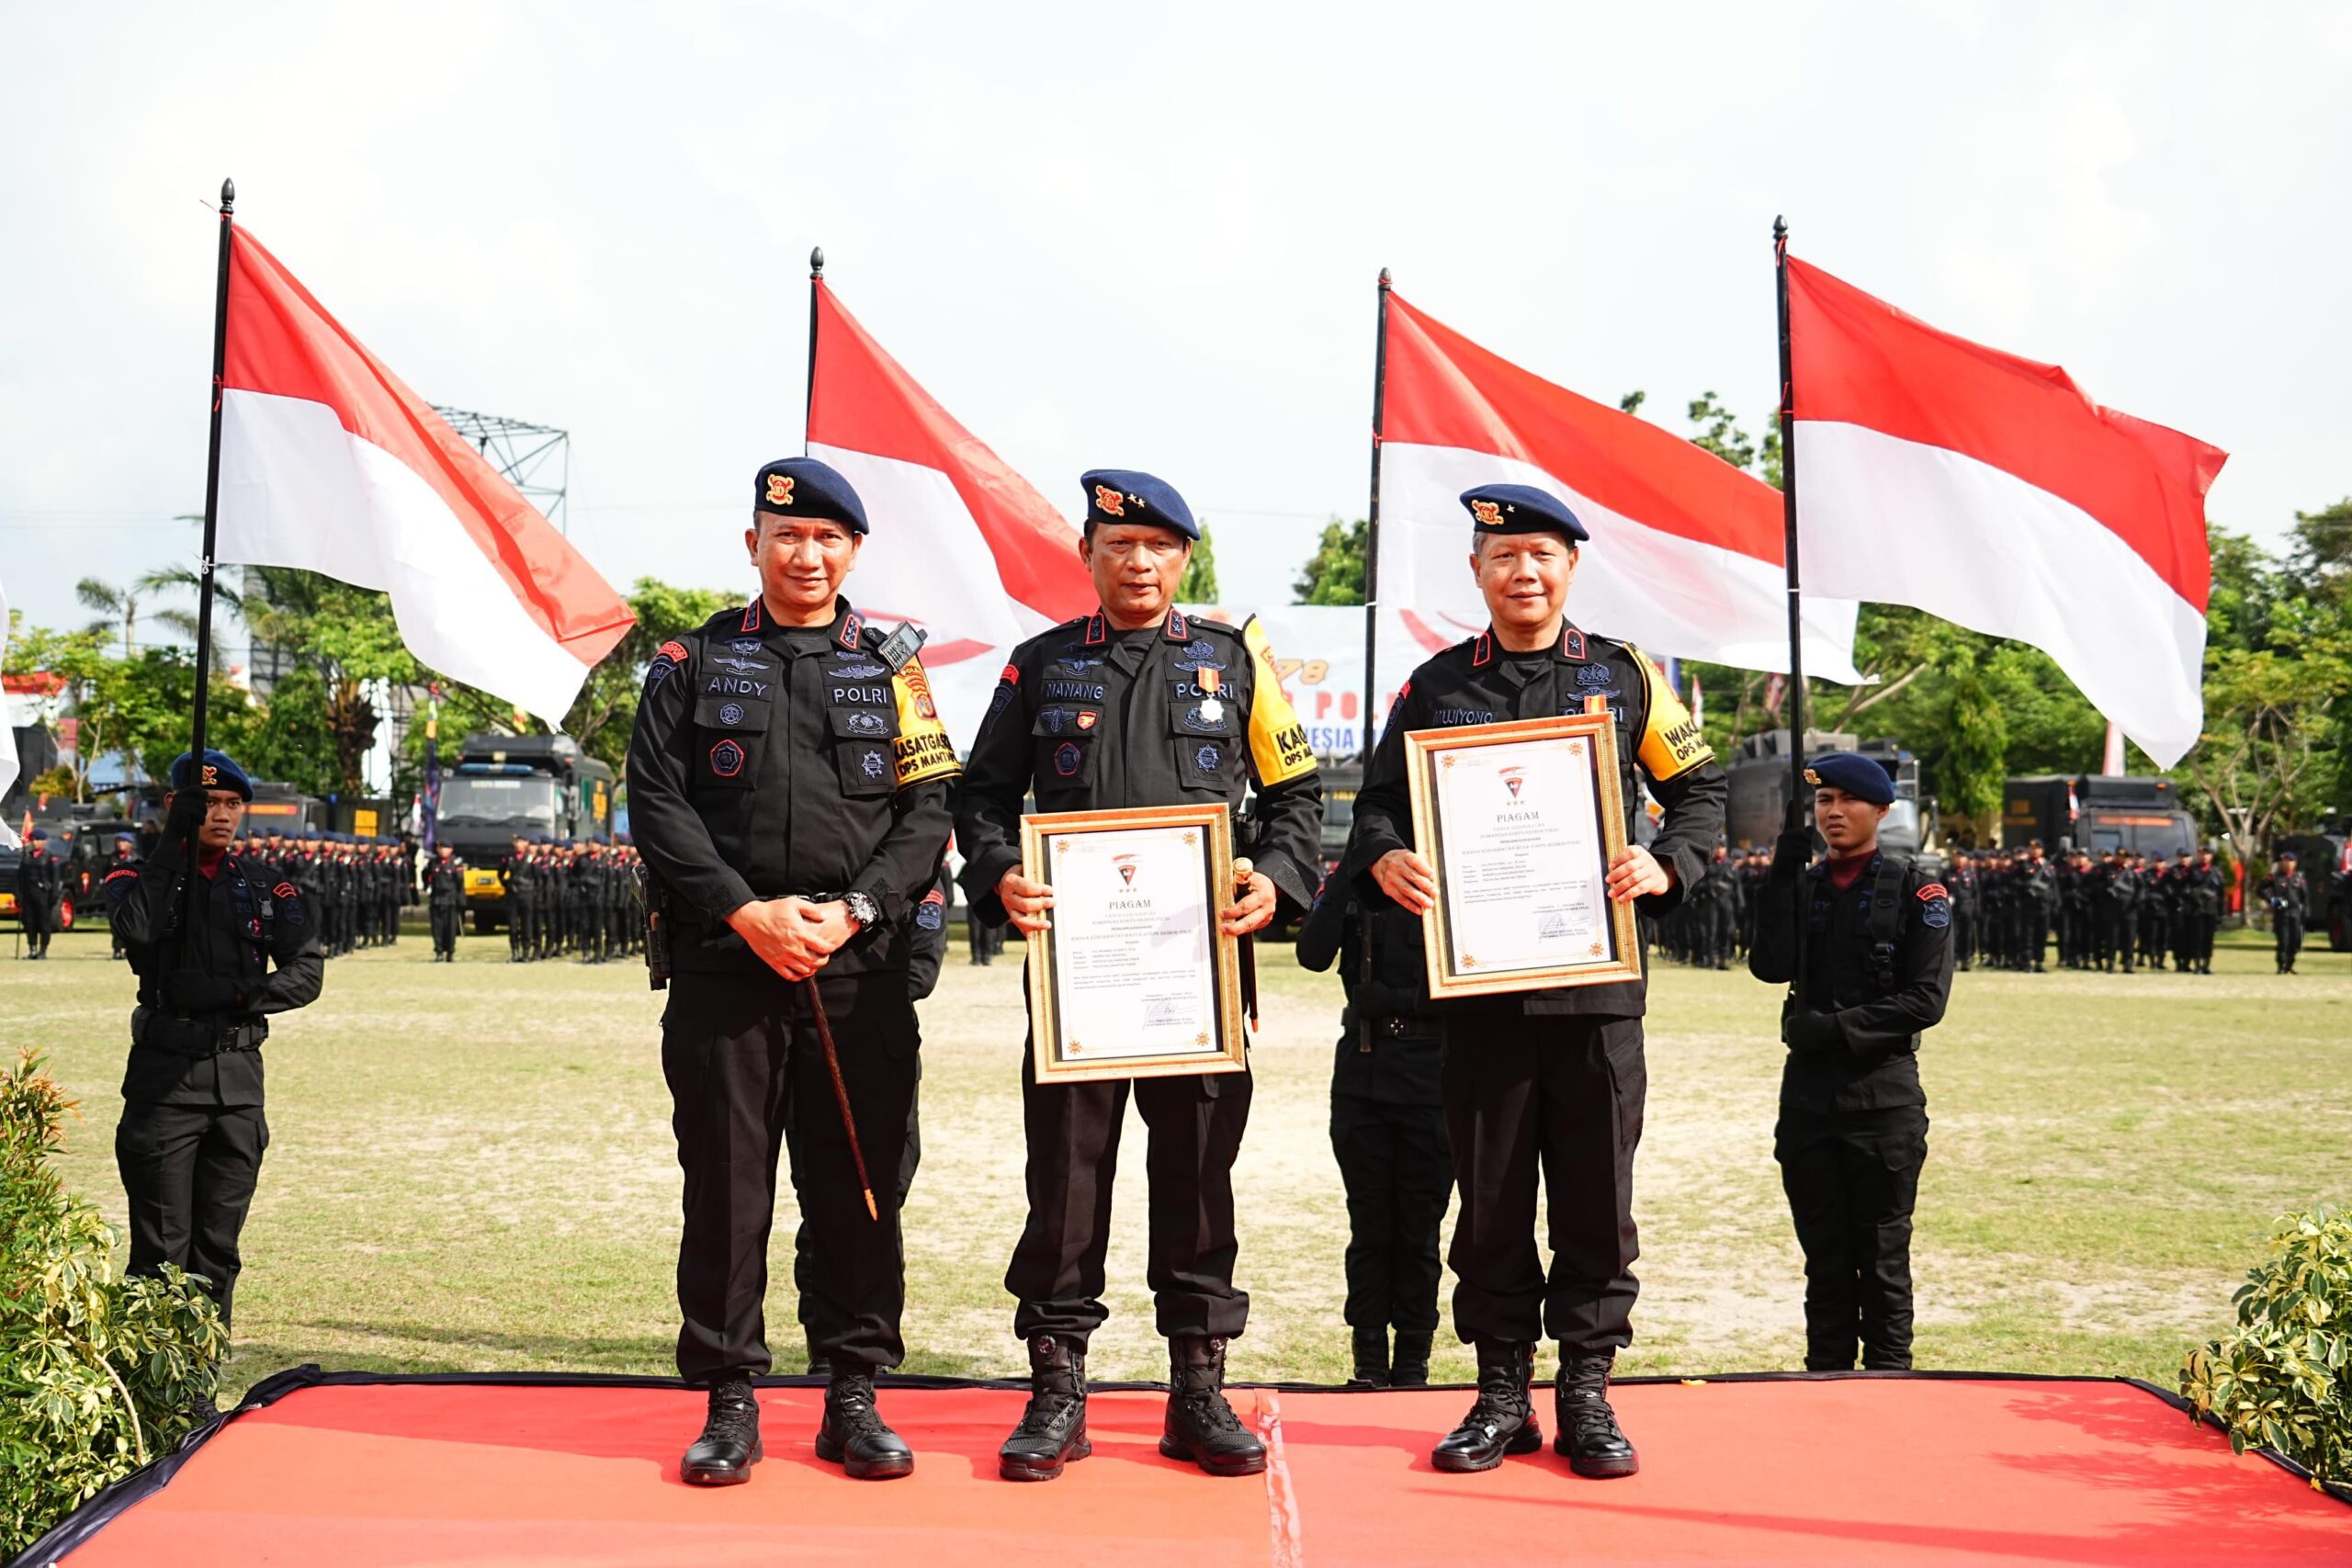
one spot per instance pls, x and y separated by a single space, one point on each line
816 261
1383 277
227 195
1779 229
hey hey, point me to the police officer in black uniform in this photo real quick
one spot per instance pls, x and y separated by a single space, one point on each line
40 886
1713 908
2289 898
444 897
190 1141
1550 1081
1388 1127
1853 1129
789 784
521 883
1135 705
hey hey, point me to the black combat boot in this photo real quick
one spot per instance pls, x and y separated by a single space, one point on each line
1053 1429
1588 1439
854 1437
1372 1359
1410 1368
1201 1425
1503 1420
730 1444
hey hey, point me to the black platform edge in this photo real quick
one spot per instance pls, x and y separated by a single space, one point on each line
100 1510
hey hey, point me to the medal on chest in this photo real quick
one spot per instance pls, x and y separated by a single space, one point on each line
1212 709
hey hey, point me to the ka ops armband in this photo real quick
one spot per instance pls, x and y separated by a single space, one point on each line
1278 748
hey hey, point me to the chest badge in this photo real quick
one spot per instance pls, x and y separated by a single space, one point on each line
1212 708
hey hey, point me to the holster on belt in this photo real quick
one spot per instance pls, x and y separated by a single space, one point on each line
656 899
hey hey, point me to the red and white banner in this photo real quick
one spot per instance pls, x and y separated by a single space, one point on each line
329 462
961 545
1686 554
1988 490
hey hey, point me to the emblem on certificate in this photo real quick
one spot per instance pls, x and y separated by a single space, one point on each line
1132 978
1520 822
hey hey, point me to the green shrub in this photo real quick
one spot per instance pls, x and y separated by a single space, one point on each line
97 1374
2283 1379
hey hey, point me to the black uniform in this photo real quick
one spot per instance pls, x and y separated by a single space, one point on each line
190 1142
40 886
1387 1112
1713 908
2202 890
1090 717
444 897
771 762
1853 1129
2289 900
521 879
1550 1080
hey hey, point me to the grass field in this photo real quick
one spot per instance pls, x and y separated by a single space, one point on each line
472 1168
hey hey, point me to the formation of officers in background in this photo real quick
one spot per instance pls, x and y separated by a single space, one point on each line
2116 910
564 899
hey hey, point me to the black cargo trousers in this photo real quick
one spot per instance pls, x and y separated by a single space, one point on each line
748 1080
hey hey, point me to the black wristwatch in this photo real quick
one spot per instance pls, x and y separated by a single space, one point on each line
863 909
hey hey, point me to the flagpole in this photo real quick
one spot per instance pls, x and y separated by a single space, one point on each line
808 400
204 560
1799 798
1371 533
1797 795
212 481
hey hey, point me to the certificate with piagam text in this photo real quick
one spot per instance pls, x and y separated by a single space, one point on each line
1520 821
1132 978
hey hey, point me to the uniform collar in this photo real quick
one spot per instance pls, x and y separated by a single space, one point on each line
1570 649
844 634
1177 627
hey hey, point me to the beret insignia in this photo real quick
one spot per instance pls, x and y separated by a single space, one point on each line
779 490
1487 513
211 775
1108 502
1811 777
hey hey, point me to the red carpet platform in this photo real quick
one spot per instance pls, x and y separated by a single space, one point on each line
355 1472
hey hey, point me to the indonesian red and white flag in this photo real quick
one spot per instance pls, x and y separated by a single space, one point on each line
1686 556
961 545
1988 490
329 462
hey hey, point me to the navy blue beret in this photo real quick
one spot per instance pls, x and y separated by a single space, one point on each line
1124 495
40 834
1520 509
219 773
803 487
1857 775
124 839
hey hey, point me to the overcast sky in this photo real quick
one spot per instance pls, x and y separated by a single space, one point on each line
1111 235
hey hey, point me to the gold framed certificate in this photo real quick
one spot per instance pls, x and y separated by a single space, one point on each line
1520 822
1132 978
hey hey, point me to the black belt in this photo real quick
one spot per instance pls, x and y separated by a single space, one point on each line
183 1034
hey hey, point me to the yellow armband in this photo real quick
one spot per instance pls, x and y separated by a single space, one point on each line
922 749
1278 748
1671 744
